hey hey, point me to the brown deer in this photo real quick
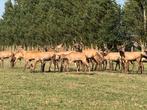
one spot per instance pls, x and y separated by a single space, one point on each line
93 56
6 55
42 57
126 57
28 56
129 57
75 57
57 61
111 57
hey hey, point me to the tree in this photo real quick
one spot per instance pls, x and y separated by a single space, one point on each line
135 19
50 22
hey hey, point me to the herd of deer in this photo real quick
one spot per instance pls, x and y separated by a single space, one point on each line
84 59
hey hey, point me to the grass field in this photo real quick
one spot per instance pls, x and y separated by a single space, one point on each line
60 91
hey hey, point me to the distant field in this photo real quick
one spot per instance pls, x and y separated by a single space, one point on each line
60 91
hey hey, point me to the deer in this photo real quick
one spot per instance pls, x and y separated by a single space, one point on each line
93 56
111 57
75 57
42 57
6 55
127 57
58 50
28 56
57 60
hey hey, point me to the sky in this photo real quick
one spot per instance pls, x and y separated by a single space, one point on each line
121 2
2 5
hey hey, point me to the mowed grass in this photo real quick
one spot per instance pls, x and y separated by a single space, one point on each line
61 91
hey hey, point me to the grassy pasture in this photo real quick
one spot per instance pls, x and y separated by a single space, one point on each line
60 91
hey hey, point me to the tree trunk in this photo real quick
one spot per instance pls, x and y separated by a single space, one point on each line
144 13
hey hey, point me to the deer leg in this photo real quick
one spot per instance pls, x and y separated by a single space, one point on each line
61 66
34 65
92 65
12 62
97 63
140 66
50 64
87 65
119 65
15 60
77 65
67 65
42 66
105 64
127 66
110 66
2 62
26 63
96 66
116 66
122 65
55 64
133 65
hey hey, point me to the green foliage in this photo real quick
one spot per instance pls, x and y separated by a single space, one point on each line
44 22
133 19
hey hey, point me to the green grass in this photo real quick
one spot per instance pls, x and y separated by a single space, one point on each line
60 91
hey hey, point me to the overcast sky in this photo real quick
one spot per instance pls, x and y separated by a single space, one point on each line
2 5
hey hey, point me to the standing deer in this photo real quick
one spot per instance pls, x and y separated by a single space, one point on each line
74 57
5 55
127 57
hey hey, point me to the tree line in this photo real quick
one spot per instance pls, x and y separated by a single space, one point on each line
51 22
